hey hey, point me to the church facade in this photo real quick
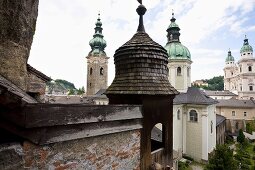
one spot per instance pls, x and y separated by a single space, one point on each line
239 77
194 116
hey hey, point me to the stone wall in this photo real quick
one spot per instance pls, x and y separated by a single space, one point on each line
17 27
114 151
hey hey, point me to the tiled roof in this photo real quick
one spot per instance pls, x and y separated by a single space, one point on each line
236 103
219 119
194 96
38 73
15 90
219 93
141 68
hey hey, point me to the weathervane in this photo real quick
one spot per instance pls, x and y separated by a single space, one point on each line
141 11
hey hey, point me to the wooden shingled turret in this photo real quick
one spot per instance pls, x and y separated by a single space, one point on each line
140 66
141 77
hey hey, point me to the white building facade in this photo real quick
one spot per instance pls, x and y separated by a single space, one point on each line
239 77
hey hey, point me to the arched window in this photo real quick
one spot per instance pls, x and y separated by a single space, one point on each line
157 137
249 68
178 114
90 84
193 116
240 69
90 71
101 71
188 72
179 71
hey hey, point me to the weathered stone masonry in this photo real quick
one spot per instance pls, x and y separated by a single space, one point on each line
113 151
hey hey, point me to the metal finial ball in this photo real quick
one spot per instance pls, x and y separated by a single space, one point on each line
141 10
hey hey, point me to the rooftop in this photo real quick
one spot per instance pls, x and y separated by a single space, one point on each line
219 93
236 103
194 96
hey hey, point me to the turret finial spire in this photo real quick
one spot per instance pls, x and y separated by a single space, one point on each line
141 11
172 13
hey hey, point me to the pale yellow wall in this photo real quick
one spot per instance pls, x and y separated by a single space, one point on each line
239 113
194 136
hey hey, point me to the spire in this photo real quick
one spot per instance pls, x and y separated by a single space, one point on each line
173 34
141 11
172 19
245 40
98 43
229 58
246 46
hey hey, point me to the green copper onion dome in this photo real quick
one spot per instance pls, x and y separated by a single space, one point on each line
174 48
98 44
230 57
246 46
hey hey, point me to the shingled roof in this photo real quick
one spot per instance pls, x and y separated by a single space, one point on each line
194 96
236 103
141 66
219 93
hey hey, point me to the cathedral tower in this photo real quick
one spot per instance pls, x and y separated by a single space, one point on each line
246 67
97 62
229 72
179 58
239 78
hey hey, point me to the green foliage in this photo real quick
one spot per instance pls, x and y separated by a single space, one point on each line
71 92
229 139
250 127
215 83
243 155
240 137
183 165
65 83
81 91
222 159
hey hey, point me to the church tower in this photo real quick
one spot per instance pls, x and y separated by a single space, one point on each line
97 62
179 58
229 72
246 67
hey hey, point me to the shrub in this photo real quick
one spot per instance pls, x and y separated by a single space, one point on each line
188 157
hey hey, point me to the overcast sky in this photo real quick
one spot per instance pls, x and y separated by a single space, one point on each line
208 28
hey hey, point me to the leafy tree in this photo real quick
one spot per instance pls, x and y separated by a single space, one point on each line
222 159
71 92
81 91
215 83
240 137
65 83
250 127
